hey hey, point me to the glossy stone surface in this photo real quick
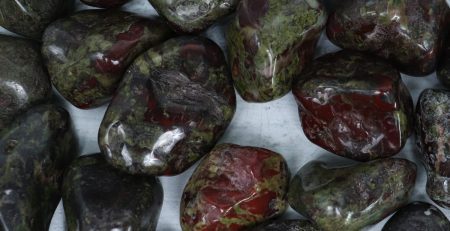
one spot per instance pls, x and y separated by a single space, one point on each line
173 105
269 44
418 216
23 80
88 52
194 15
433 140
286 225
30 17
409 33
355 106
34 152
105 3
443 71
98 197
350 198
233 188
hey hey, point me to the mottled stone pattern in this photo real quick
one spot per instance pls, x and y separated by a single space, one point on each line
286 225
443 71
31 17
233 188
355 106
34 151
105 3
418 216
173 105
433 140
98 197
194 15
409 33
88 52
350 198
270 42
23 80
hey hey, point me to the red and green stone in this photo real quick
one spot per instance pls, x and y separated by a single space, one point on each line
87 53
353 197
105 3
234 188
173 105
269 44
409 33
355 106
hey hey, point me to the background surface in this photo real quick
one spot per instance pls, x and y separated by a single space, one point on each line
274 125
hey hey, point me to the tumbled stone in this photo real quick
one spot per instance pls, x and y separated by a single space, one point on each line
23 80
418 216
355 106
194 15
34 152
98 197
269 44
433 140
409 33
87 53
443 71
30 17
286 225
350 198
105 3
234 188
173 105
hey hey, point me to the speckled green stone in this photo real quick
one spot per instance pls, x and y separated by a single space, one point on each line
34 152
350 198
269 44
286 225
98 197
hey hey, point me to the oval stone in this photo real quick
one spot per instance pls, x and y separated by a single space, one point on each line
34 152
433 140
105 3
269 44
355 106
98 197
409 33
443 71
23 80
418 216
350 198
234 188
173 105
286 225
87 53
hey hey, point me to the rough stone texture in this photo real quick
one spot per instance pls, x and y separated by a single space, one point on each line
34 151
443 71
350 198
98 197
355 106
88 52
233 188
418 216
433 140
409 33
194 15
269 44
105 3
23 80
30 17
173 105
286 225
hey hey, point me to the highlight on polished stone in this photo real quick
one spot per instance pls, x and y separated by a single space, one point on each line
355 106
105 3
173 105
234 188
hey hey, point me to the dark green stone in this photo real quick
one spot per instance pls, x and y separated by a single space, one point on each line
34 152
105 3
286 225
350 198
443 71
98 197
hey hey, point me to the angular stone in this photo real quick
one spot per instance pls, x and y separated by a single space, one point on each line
87 53
234 188
409 33
173 105
286 225
98 197
105 3
350 198
23 80
269 44
194 15
30 17
418 216
433 141
355 106
34 152
443 71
